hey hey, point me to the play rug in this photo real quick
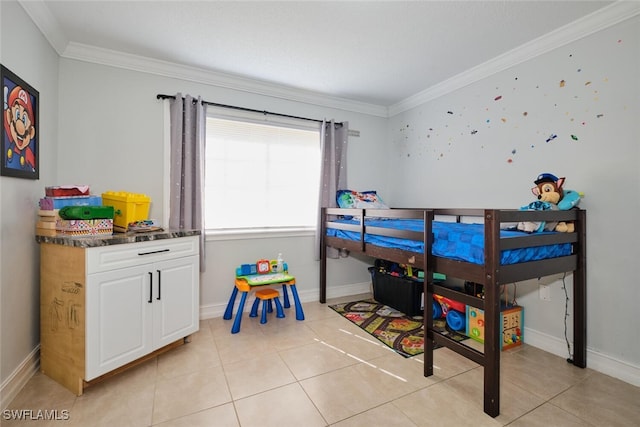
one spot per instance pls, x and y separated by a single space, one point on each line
402 333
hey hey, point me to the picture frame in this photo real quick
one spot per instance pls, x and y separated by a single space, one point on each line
20 127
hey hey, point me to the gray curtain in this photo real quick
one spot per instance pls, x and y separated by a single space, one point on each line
188 124
333 171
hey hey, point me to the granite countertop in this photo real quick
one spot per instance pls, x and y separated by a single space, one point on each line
115 238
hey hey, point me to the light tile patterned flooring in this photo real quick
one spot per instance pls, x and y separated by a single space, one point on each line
324 371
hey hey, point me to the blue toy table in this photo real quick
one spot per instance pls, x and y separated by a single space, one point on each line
245 284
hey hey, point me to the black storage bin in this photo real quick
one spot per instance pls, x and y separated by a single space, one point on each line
401 293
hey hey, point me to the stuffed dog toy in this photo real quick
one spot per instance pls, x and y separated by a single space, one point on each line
551 196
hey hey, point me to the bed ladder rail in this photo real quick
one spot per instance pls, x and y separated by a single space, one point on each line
461 349
443 340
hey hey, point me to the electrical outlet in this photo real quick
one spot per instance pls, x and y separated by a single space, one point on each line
545 292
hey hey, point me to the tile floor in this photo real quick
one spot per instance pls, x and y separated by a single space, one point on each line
324 371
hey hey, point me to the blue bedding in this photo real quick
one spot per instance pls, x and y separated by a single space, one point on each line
462 242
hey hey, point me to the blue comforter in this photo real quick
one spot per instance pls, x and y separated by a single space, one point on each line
462 242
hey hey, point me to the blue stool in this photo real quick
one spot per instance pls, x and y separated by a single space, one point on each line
266 296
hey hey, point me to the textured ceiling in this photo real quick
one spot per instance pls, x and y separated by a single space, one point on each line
374 52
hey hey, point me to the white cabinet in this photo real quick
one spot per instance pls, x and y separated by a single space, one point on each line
130 300
134 311
118 320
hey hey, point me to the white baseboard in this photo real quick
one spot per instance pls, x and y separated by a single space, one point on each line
217 310
345 291
595 360
19 378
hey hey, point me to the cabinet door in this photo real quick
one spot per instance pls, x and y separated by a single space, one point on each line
119 318
176 299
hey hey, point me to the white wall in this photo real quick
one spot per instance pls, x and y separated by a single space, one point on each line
467 149
25 52
111 137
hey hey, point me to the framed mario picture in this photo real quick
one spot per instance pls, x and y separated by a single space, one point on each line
20 137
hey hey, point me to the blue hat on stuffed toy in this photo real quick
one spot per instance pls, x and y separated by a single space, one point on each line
545 177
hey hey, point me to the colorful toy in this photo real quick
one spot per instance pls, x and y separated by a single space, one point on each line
277 265
511 325
246 270
452 311
551 196
437 310
263 266
569 200
456 320
448 304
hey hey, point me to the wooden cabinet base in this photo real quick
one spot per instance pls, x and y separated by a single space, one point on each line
74 382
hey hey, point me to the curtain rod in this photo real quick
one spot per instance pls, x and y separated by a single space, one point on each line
162 96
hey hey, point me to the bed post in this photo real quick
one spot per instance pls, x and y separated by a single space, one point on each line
580 294
492 338
427 267
323 255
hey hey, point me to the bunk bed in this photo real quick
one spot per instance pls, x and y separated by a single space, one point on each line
367 231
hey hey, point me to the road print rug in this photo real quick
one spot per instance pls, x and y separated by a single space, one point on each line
404 334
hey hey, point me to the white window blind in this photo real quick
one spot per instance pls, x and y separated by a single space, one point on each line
260 175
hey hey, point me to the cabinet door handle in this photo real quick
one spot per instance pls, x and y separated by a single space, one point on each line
159 284
153 252
150 288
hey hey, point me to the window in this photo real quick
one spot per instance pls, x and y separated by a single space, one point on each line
260 175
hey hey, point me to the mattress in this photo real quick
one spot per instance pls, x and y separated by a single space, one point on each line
458 241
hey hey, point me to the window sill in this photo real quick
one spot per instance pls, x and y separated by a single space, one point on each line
258 233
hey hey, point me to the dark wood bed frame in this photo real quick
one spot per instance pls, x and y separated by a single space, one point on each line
491 274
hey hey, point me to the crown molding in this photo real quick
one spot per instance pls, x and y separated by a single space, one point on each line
583 27
46 23
50 28
594 22
87 53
